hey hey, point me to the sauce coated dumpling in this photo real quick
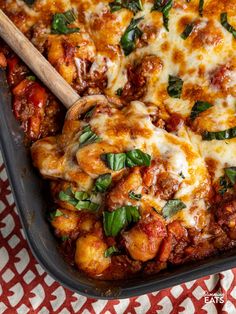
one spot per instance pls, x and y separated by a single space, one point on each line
89 255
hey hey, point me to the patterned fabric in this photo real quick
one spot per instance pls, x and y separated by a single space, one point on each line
26 288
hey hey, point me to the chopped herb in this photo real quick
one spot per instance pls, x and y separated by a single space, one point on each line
129 159
103 182
225 184
164 7
200 7
187 31
31 78
67 196
226 25
119 91
199 107
61 21
134 196
87 136
115 162
87 205
110 251
114 222
81 196
79 199
220 135
136 157
182 175
56 213
230 172
132 5
172 207
131 34
175 86
64 238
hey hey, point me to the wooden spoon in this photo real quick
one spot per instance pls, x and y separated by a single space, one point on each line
44 70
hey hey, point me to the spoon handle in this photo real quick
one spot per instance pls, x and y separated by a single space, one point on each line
36 62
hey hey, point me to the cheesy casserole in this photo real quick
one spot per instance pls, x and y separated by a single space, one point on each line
144 177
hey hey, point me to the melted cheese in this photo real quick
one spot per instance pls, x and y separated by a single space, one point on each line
205 61
119 134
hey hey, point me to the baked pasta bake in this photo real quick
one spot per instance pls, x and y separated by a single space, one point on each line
142 171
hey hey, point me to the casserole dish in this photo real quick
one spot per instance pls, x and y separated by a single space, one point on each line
27 188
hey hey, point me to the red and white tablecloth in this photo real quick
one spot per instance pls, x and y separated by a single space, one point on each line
26 288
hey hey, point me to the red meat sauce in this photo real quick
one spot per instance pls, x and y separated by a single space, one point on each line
37 110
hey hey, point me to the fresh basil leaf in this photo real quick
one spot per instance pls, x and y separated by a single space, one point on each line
187 31
87 136
199 107
61 21
134 196
220 135
226 25
110 251
87 205
103 182
29 2
114 222
81 196
132 5
131 34
115 162
230 172
164 7
116 5
132 214
200 7
119 91
68 197
31 78
131 158
175 86
79 199
172 207
136 157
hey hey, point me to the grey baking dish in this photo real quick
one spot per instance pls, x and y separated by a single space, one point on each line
31 202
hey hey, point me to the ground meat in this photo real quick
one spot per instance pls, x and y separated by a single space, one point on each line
174 123
122 267
16 71
90 82
225 214
119 195
223 77
159 181
149 33
166 186
34 106
138 74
